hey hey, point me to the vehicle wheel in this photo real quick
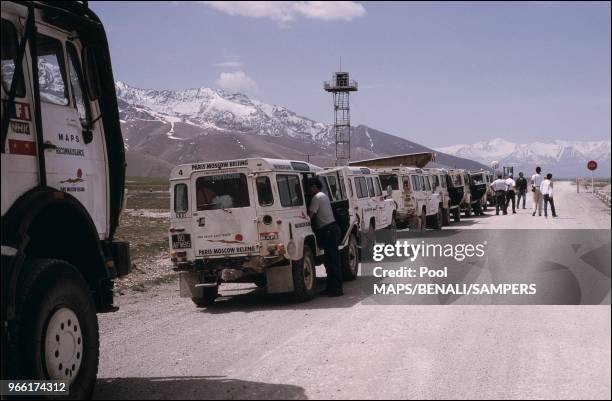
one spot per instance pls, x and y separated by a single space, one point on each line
456 215
446 220
435 221
478 209
350 260
423 224
304 276
368 242
56 328
468 211
208 297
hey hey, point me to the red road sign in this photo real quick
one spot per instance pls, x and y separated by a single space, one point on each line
592 165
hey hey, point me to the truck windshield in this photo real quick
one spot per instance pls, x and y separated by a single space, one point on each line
389 179
224 191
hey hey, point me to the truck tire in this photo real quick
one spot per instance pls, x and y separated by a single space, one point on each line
304 274
435 221
209 294
56 329
367 244
350 260
456 215
446 220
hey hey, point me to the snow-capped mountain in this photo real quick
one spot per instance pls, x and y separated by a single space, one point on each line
163 128
563 158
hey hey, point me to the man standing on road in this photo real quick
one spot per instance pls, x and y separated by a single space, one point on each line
328 235
536 181
510 194
547 190
521 186
499 186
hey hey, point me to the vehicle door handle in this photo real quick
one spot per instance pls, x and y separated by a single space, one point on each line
49 145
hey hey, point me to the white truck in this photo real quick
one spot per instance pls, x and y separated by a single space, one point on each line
439 181
244 221
361 207
63 174
418 205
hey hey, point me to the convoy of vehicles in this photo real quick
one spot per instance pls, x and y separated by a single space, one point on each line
63 171
418 205
247 221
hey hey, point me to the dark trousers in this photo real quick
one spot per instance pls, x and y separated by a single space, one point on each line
329 239
500 202
548 199
522 193
510 196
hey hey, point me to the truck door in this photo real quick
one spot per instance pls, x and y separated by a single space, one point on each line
339 200
74 146
225 221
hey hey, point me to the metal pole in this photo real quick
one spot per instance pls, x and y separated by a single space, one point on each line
592 186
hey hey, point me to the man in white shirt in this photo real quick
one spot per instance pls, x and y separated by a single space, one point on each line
547 191
499 186
538 199
510 193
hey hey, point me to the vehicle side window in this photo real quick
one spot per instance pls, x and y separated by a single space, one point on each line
436 181
361 187
9 58
443 181
334 188
427 184
342 187
290 190
181 200
76 83
416 183
325 188
370 187
264 191
51 71
377 190
350 185
389 179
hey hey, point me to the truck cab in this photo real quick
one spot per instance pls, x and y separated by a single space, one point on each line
63 174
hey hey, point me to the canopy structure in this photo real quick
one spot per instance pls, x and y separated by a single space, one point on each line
408 160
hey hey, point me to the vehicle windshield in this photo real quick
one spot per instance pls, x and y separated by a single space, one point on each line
224 191
389 179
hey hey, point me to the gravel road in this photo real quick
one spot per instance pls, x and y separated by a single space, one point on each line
250 345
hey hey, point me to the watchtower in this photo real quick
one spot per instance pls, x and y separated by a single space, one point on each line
341 86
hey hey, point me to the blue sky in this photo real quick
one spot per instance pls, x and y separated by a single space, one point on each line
435 73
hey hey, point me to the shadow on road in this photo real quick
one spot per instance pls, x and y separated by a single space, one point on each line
192 388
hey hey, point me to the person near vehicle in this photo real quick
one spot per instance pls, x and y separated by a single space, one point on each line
538 199
499 187
510 193
328 235
547 191
521 188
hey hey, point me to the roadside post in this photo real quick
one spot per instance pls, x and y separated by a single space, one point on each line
592 165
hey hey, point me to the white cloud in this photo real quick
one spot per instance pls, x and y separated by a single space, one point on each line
236 81
229 64
285 12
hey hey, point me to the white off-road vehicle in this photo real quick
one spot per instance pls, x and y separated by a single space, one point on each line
460 182
480 179
245 221
418 205
440 179
63 174
361 209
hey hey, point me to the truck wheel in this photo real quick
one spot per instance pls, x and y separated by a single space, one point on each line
456 215
304 276
56 327
209 294
367 244
423 224
350 260
435 221
446 218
